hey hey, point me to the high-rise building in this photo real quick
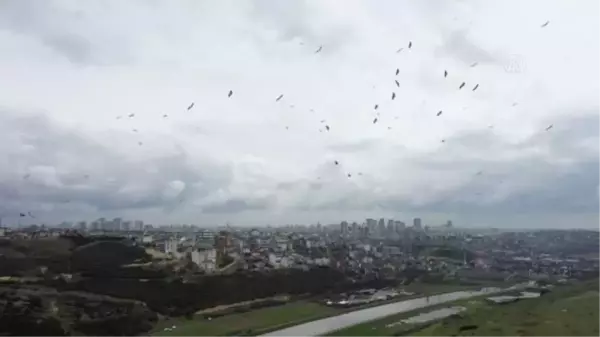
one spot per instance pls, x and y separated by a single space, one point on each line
355 229
400 226
390 226
371 225
95 225
381 225
344 228
103 224
449 224
116 224
417 223
138 225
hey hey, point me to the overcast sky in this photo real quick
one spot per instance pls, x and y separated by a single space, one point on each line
71 73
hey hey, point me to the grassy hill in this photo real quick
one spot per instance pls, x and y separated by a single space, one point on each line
570 310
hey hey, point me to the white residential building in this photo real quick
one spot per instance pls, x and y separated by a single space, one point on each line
205 259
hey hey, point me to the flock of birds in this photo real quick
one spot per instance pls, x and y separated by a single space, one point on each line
230 94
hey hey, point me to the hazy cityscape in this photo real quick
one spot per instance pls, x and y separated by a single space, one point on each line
346 266
299 168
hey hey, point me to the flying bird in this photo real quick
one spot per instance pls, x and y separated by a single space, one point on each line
439 113
397 71
409 44
476 86
190 106
230 93
349 175
26 176
479 173
327 127
443 140
545 24
474 64
131 115
445 73
550 127
375 121
134 130
323 121
376 106
31 215
319 50
393 95
399 50
118 117
389 127
515 104
140 143
165 116
336 162
461 85
397 83
279 98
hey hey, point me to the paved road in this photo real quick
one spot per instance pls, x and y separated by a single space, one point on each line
326 325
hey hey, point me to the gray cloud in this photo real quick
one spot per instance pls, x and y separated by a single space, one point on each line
69 69
59 167
238 205
459 46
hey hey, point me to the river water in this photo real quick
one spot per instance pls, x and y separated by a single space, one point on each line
326 325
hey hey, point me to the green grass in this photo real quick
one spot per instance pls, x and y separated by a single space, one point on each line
238 324
260 321
567 311
379 327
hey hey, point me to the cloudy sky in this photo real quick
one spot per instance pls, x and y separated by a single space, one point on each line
72 72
